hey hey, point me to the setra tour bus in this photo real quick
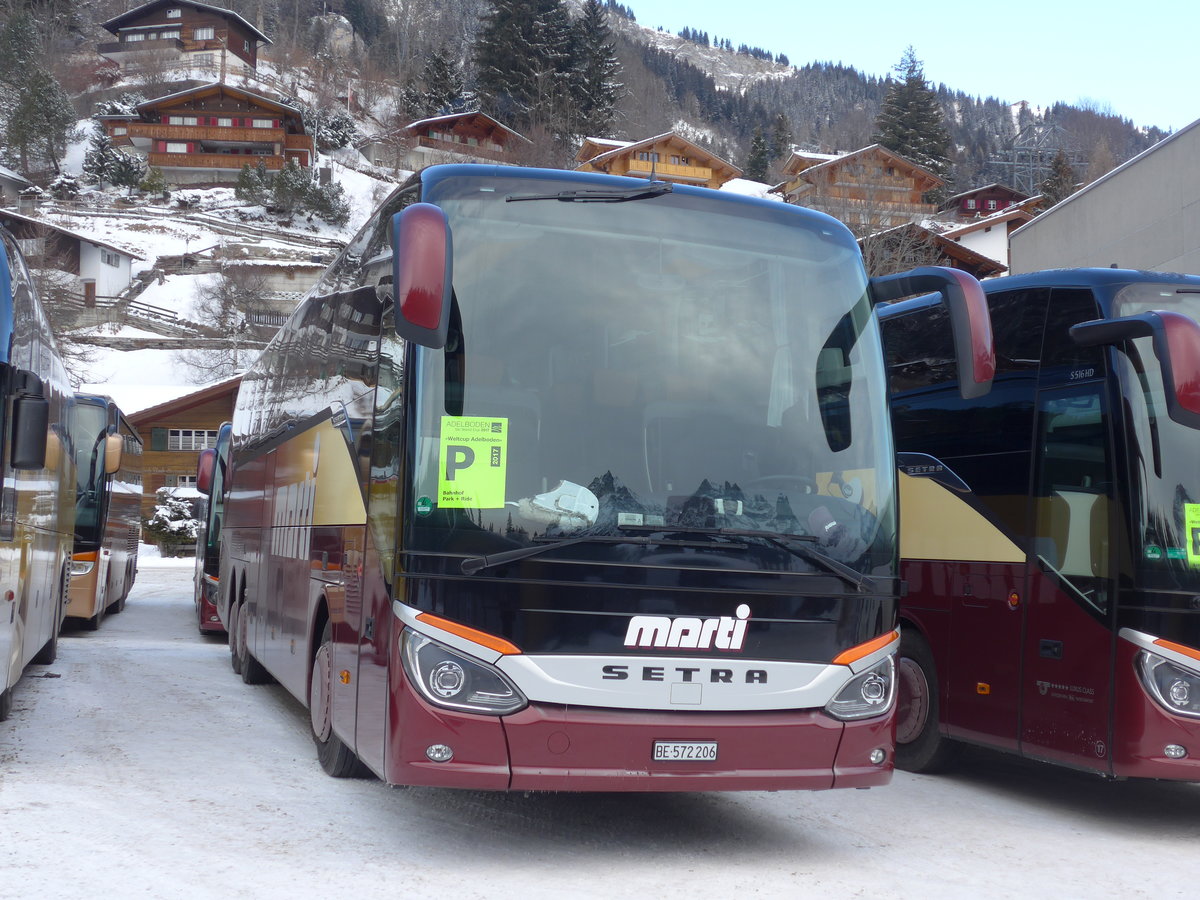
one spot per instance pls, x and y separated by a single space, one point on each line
37 498
1051 530
210 482
108 507
561 481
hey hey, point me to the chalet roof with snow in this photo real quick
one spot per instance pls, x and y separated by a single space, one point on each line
925 180
799 160
669 156
951 252
219 89
9 215
126 19
451 120
217 389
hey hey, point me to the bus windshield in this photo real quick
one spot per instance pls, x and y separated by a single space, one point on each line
1166 502
88 429
666 361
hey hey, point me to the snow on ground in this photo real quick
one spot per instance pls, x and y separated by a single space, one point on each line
138 765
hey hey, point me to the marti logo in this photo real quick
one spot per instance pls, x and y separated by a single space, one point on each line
721 632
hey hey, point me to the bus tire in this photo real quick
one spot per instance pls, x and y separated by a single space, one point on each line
49 652
235 661
920 744
335 757
5 703
93 623
252 670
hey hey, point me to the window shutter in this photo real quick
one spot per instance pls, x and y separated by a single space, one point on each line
158 439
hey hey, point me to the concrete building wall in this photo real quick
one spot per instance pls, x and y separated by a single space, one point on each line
992 242
1144 214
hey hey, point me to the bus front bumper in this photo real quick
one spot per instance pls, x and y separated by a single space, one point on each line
557 748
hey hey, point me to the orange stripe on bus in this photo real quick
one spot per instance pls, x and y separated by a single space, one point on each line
1178 648
491 641
90 556
856 653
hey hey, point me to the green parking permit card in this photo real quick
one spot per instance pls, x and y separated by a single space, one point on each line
1191 527
472 462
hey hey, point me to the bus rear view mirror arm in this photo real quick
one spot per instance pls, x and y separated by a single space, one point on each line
1176 341
421 274
970 321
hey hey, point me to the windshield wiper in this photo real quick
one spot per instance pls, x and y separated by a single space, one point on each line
475 564
602 195
799 545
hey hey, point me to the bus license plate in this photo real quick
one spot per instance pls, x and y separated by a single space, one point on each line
685 751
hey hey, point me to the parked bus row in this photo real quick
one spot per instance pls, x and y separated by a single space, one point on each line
70 492
559 481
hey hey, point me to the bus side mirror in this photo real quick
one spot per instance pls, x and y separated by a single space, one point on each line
421 268
205 467
1176 341
114 446
31 423
970 322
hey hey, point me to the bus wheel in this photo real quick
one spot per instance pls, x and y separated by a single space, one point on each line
5 703
252 670
93 623
235 660
335 757
920 746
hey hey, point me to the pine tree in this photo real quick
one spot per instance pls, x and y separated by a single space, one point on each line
443 84
1061 183
758 161
37 120
523 55
597 88
291 188
155 182
128 170
911 122
251 187
781 138
100 159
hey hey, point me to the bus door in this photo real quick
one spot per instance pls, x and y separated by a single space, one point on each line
1071 593
993 437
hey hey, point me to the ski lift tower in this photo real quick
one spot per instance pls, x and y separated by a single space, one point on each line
1033 151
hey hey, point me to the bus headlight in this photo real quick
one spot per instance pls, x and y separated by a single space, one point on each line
453 680
81 567
1173 687
869 693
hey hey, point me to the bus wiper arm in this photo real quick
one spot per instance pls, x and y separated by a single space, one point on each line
605 195
797 544
474 564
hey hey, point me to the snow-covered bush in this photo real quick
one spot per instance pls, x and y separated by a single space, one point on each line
174 524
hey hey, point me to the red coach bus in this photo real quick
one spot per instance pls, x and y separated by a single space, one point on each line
37 478
1051 530
210 482
558 481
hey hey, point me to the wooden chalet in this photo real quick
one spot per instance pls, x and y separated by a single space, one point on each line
669 157
983 201
907 246
183 31
471 137
868 190
206 134
176 431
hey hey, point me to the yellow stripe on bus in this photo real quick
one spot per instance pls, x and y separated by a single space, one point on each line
936 523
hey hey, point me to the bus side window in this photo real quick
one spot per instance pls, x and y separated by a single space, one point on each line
1074 489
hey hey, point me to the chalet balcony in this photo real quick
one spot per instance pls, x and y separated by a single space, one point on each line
698 174
131 48
196 133
213 160
460 148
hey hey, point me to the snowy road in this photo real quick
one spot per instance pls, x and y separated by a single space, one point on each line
138 765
